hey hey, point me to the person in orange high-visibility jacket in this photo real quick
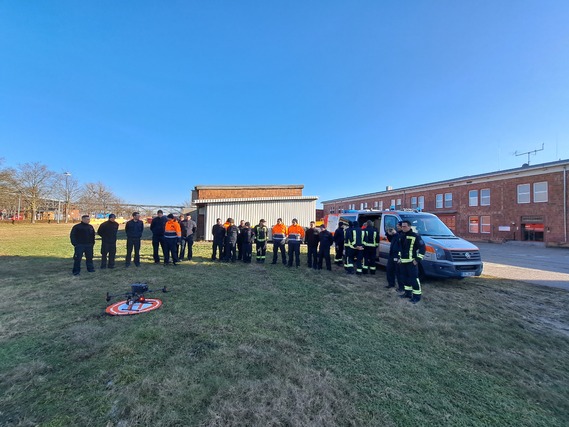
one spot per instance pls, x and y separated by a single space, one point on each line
172 236
295 238
279 236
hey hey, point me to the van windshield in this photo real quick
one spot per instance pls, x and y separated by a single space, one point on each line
428 225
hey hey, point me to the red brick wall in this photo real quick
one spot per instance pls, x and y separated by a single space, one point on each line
241 193
504 210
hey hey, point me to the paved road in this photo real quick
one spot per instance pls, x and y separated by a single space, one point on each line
526 262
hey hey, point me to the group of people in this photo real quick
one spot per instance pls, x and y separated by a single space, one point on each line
355 246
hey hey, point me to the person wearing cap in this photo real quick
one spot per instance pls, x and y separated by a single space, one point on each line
82 238
325 240
392 268
232 233
370 240
261 232
108 232
339 243
189 228
295 239
311 240
157 228
279 237
133 230
172 236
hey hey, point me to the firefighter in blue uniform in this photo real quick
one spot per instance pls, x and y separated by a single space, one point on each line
339 244
411 252
370 240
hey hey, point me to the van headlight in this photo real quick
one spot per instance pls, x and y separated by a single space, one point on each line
440 253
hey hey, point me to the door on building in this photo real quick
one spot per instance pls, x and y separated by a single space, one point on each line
449 221
532 229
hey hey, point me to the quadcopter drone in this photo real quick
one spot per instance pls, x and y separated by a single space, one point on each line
135 302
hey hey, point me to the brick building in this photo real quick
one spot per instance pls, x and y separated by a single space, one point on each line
251 203
527 203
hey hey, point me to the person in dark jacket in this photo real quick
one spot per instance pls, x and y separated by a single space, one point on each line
355 248
325 240
133 230
157 228
218 231
108 232
189 228
411 252
339 244
83 240
311 240
240 227
392 268
261 232
231 241
246 235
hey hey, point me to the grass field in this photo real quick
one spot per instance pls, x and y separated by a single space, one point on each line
264 345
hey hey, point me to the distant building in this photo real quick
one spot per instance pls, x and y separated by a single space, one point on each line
251 203
527 204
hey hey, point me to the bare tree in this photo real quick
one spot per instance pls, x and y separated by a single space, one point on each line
35 182
68 189
7 189
97 198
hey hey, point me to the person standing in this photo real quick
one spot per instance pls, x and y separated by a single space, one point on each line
370 240
392 268
240 241
326 240
133 230
189 228
247 235
339 243
172 236
218 231
231 241
354 245
279 237
83 240
157 228
411 252
311 240
295 239
108 232
261 232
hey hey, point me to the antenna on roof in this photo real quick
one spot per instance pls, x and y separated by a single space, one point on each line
534 152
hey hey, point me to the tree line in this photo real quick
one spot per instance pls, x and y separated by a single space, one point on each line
33 189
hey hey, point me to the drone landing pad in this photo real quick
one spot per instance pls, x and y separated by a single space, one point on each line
121 308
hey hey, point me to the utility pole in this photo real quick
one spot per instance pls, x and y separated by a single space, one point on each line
67 175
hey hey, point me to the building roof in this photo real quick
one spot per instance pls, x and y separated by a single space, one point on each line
523 168
248 187
254 199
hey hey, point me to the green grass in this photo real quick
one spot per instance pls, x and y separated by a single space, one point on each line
263 345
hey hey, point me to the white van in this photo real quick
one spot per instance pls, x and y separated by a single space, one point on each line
446 254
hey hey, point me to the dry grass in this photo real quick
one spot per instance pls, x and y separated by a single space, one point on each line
263 345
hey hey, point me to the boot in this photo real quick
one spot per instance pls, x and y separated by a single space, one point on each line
407 294
416 298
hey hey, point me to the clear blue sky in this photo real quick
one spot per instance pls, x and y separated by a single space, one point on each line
345 97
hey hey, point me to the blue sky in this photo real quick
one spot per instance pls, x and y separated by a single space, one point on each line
152 98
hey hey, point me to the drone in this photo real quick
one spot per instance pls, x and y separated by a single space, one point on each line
135 302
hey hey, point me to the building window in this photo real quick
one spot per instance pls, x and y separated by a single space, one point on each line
379 205
392 205
540 192
523 193
473 224
363 205
375 204
421 204
485 224
485 197
439 201
413 202
473 198
398 205
448 200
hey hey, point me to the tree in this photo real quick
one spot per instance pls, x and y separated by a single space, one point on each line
7 189
68 190
97 198
35 182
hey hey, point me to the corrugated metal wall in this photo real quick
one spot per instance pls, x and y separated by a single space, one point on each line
253 211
